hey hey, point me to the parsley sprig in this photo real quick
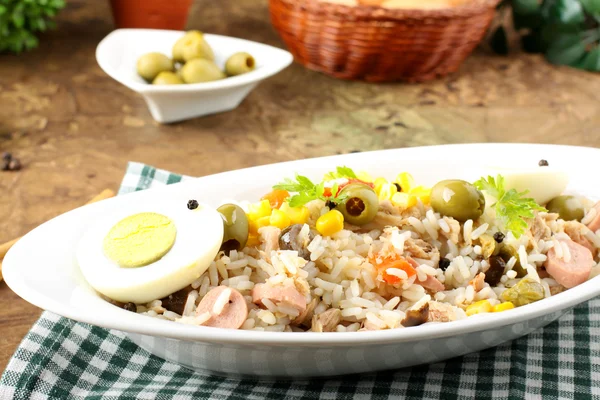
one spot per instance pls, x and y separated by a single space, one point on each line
512 208
307 191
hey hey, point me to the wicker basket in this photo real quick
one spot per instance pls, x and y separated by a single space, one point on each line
378 44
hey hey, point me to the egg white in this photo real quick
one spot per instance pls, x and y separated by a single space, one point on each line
199 237
543 183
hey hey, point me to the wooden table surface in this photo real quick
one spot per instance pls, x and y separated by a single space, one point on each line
74 128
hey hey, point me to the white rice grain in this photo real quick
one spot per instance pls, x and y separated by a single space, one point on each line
399 273
202 318
417 224
447 194
213 274
468 231
372 318
589 217
352 312
267 317
511 274
558 249
566 252
479 231
431 230
221 301
444 226
190 303
393 302
355 288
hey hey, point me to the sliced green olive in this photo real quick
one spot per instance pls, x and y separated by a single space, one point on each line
569 208
167 78
239 63
184 41
506 252
525 292
235 224
360 204
457 199
151 64
201 70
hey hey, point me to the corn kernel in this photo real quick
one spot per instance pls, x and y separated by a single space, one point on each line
378 183
404 200
479 307
422 193
406 181
503 307
259 210
252 240
364 176
330 223
263 221
386 191
297 215
279 219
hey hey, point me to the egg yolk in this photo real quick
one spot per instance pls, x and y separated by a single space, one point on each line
140 239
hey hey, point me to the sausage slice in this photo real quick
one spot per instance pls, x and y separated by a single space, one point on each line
229 311
570 271
279 294
594 225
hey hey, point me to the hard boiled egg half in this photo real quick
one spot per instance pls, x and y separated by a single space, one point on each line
143 253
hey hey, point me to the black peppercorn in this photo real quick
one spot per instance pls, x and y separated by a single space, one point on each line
543 163
130 307
444 264
330 204
499 237
192 204
398 186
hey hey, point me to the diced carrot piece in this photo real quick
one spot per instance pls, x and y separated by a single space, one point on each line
276 197
396 262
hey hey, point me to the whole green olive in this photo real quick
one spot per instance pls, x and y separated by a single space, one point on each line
167 78
180 44
525 292
360 204
235 224
151 64
201 70
569 208
197 48
239 63
457 199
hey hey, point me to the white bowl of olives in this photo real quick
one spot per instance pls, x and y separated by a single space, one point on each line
184 75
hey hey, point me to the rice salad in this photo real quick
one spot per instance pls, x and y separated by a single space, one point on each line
358 253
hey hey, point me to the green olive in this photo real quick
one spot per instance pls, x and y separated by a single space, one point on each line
568 208
457 199
525 292
180 44
151 64
235 224
360 204
197 48
201 70
239 63
167 78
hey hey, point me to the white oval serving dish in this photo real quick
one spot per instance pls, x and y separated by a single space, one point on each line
118 52
41 268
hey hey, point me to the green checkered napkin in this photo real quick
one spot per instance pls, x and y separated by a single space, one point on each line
60 358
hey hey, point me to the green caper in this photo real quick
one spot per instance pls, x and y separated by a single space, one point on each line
167 78
568 208
235 224
457 199
184 41
239 63
201 70
360 204
151 64
197 48
526 291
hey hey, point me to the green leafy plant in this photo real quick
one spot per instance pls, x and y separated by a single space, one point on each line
21 19
567 32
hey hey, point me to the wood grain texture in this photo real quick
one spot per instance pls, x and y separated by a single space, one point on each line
74 128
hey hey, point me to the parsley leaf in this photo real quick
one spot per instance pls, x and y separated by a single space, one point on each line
341 172
307 191
512 208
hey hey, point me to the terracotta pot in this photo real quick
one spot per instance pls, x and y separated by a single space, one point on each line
157 14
